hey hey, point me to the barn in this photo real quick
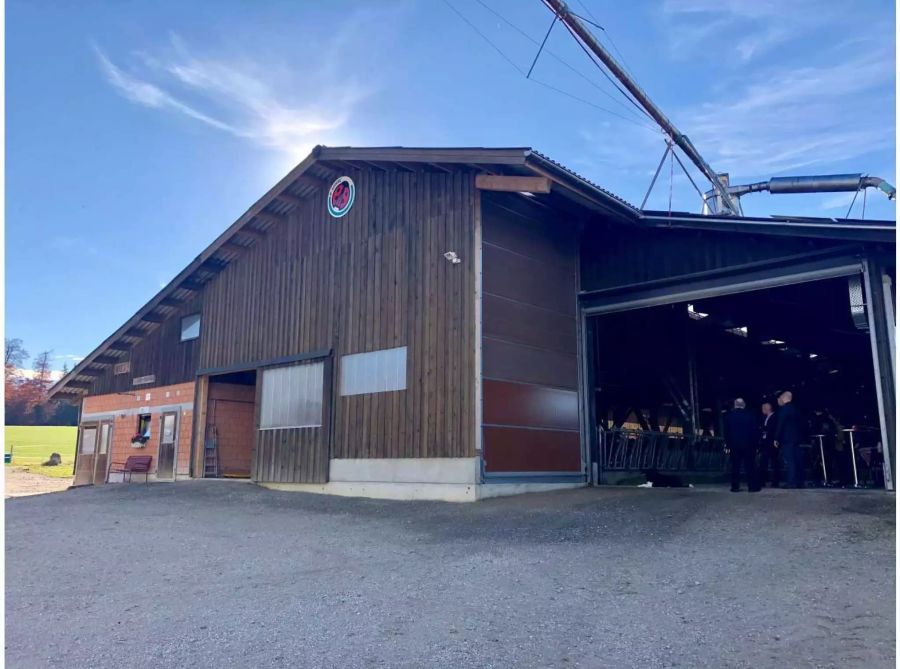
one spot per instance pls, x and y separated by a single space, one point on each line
428 323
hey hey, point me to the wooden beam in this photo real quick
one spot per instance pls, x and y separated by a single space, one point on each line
169 301
119 346
410 167
270 218
190 284
510 184
290 198
253 232
135 332
440 168
375 166
310 180
80 384
105 360
231 247
213 265
153 318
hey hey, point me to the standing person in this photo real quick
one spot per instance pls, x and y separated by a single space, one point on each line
742 437
788 434
768 453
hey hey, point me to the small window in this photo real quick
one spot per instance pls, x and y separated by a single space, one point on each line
143 428
375 372
291 397
167 435
88 440
190 327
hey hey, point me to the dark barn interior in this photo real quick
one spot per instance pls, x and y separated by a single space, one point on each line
665 375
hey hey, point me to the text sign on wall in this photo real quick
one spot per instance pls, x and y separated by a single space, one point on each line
143 380
341 196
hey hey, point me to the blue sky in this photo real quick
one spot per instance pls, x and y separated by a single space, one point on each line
137 131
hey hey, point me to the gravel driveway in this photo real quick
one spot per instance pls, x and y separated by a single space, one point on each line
226 574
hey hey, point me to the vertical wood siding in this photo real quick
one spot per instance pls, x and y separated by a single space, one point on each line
373 279
161 353
616 255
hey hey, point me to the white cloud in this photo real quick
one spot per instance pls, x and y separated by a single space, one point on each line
746 28
789 118
55 375
246 99
150 95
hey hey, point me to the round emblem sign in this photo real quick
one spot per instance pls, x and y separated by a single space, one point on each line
341 196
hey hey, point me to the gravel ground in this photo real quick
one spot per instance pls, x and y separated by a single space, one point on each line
18 483
226 574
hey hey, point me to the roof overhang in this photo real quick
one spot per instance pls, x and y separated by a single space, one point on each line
324 164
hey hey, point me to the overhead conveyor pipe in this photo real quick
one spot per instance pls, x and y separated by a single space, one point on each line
825 183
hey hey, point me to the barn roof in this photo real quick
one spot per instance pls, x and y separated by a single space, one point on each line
324 164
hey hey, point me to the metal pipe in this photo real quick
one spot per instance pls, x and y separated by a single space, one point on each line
576 26
824 183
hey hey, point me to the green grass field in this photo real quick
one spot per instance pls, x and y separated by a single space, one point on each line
33 445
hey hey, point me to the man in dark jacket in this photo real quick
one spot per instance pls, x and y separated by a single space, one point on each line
768 454
742 438
788 435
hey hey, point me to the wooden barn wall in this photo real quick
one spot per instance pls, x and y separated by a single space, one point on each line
371 280
614 256
161 353
529 338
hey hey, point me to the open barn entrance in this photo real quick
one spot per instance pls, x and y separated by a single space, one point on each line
230 425
664 377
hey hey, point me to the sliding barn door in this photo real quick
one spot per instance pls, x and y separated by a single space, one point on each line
293 423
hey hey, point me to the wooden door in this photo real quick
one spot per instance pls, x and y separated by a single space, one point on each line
87 446
101 455
168 435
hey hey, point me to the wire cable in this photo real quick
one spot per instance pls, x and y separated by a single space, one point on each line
561 60
605 74
606 33
541 83
485 38
852 202
538 54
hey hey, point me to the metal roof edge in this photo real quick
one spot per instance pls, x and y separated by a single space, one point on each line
600 196
876 230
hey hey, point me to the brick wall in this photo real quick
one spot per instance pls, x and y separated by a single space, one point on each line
232 411
124 409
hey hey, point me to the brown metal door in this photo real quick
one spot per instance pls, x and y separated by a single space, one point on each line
165 463
101 456
87 445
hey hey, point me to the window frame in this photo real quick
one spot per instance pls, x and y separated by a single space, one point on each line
322 398
182 338
343 373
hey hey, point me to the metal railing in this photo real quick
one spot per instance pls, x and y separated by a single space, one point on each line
638 450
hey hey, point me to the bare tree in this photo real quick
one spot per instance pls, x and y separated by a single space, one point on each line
16 355
43 372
